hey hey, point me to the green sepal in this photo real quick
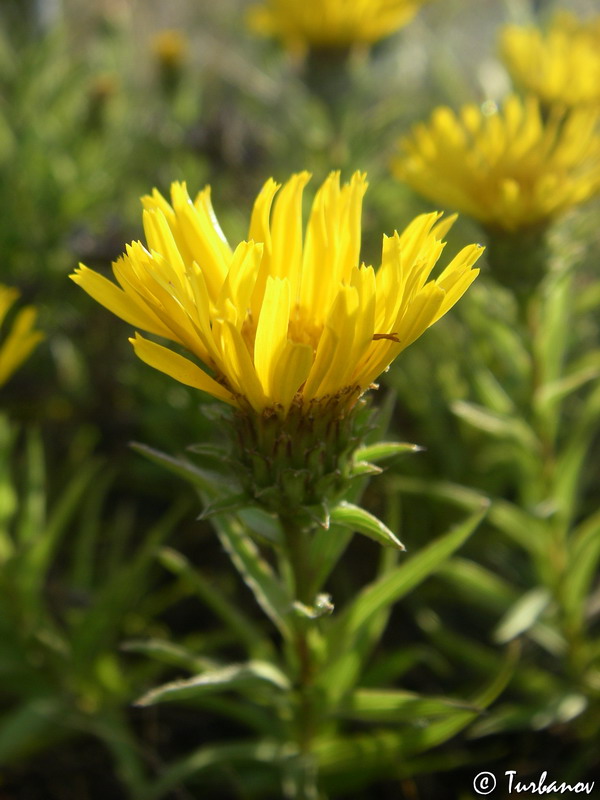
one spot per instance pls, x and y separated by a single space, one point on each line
320 514
382 450
361 469
359 520
294 484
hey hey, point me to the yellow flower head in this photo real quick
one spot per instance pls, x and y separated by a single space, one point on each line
21 339
507 168
169 46
331 23
283 318
562 66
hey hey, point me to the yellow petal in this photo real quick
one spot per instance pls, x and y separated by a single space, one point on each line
110 296
179 368
271 331
291 371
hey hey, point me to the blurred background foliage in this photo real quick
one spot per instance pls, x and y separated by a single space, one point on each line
98 104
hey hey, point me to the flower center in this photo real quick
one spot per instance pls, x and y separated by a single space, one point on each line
301 329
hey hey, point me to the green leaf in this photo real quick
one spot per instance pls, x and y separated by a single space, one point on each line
8 496
571 459
32 521
380 451
25 727
266 751
345 661
551 393
40 547
369 757
168 653
357 519
212 451
204 479
478 585
524 528
100 624
396 584
396 706
269 591
241 625
249 677
551 339
582 567
523 614
491 392
501 426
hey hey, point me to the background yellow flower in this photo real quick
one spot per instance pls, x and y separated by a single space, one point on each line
510 169
22 337
279 319
562 65
331 23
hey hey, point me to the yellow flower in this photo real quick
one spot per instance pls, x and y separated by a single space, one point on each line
509 169
562 66
21 339
169 46
279 320
331 23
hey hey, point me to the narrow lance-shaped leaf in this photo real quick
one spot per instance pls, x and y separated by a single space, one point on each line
397 706
41 548
204 479
269 591
396 584
583 566
168 653
523 614
498 425
251 675
525 529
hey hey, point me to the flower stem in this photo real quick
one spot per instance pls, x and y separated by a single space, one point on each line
297 541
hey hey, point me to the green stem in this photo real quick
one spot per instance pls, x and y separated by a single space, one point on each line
297 546
546 428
